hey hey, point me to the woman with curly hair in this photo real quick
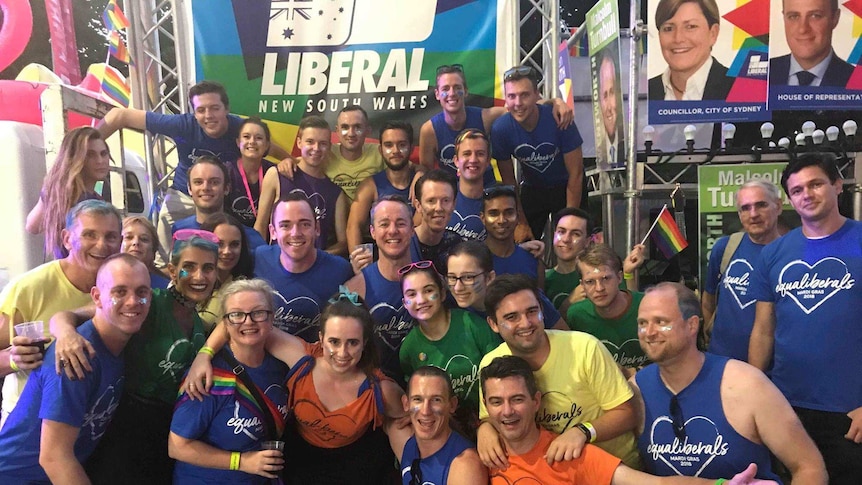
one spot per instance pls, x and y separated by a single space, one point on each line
82 161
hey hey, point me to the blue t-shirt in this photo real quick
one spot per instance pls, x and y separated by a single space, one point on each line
540 151
711 448
192 142
323 195
391 321
191 222
814 285
446 140
550 314
465 218
435 468
158 280
734 313
519 262
228 422
237 202
88 404
299 297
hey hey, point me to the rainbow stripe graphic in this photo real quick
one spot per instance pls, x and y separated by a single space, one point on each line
117 47
113 17
115 87
667 235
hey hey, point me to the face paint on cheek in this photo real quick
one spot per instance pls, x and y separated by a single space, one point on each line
414 409
115 301
408 301
388 151
143 301
183 273
433 296
404 151
344 132
459 92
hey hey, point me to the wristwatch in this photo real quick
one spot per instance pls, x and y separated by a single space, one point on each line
588 430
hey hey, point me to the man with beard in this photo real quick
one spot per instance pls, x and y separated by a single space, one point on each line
396 144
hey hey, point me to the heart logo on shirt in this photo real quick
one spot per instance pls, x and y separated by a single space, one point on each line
463 226
296 316
463 383
736 278
684 456
810 286
447 155
519 481
539 157
391 324
629 354
327 426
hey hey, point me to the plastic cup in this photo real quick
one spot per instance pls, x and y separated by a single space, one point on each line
366 247
272 445
32 330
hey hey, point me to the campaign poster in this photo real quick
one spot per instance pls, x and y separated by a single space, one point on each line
283 60
717 187
707 61
815 54
603 22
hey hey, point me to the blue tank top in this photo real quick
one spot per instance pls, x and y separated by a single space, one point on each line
465 218
435 468
711 447
385 187
391 321
519 262
446 141
323 194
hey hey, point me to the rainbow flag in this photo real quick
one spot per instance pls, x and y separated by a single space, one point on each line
117 47
113 17
667 235
115 87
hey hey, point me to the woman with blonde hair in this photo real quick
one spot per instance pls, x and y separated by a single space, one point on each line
82 161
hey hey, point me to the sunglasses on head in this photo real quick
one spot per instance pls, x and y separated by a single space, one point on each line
186 234
521 72
450 68
417 265
499 190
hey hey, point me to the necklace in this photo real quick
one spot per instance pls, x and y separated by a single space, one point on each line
182 300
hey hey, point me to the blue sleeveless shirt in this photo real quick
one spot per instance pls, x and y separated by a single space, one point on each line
435 468
711 447
446 141
385 187
391 321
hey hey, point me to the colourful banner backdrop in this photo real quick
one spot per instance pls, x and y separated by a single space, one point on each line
717 187
682 89
283 60
802 42
603 32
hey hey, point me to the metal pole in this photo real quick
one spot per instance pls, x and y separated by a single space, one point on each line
631 194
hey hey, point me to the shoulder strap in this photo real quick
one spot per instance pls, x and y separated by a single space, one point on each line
732 244
238 370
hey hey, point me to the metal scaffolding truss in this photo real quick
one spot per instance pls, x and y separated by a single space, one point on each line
548 12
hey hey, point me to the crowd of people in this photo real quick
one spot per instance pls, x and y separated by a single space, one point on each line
348 316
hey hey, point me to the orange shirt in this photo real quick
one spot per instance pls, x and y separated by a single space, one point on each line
595 466
337 428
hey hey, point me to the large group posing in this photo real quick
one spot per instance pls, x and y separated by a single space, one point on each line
347 316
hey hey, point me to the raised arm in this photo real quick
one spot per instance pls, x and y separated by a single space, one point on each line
574 161
268 194
71 347
119 118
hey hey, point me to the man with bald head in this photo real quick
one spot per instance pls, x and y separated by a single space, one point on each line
58 422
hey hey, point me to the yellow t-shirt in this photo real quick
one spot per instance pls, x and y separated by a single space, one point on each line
579 382
37 295
348 174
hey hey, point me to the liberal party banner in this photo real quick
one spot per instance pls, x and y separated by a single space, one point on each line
603 32
815 53
283 60
717 187
707 61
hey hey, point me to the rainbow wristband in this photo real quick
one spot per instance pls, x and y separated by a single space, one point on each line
207 350
234 460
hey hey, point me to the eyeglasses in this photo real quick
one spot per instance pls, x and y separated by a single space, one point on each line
186 234
447 69
416 472
519 72
465 279
417 265
238 318
499 190
678 419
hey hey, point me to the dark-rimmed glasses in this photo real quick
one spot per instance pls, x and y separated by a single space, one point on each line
416 472
465 279
238 318
425 264
677 418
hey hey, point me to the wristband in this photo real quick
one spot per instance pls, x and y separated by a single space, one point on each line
234 460
592 430
628 276
207 350
13 365
720 481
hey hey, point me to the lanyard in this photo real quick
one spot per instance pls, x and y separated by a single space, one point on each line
245 183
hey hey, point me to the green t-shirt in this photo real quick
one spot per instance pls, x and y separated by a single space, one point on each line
159 355
559 286
458 353
620 335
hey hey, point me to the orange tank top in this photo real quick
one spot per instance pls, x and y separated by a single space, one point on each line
332 429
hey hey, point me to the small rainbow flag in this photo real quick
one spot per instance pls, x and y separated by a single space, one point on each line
115 87
113 17
668 237
117 47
